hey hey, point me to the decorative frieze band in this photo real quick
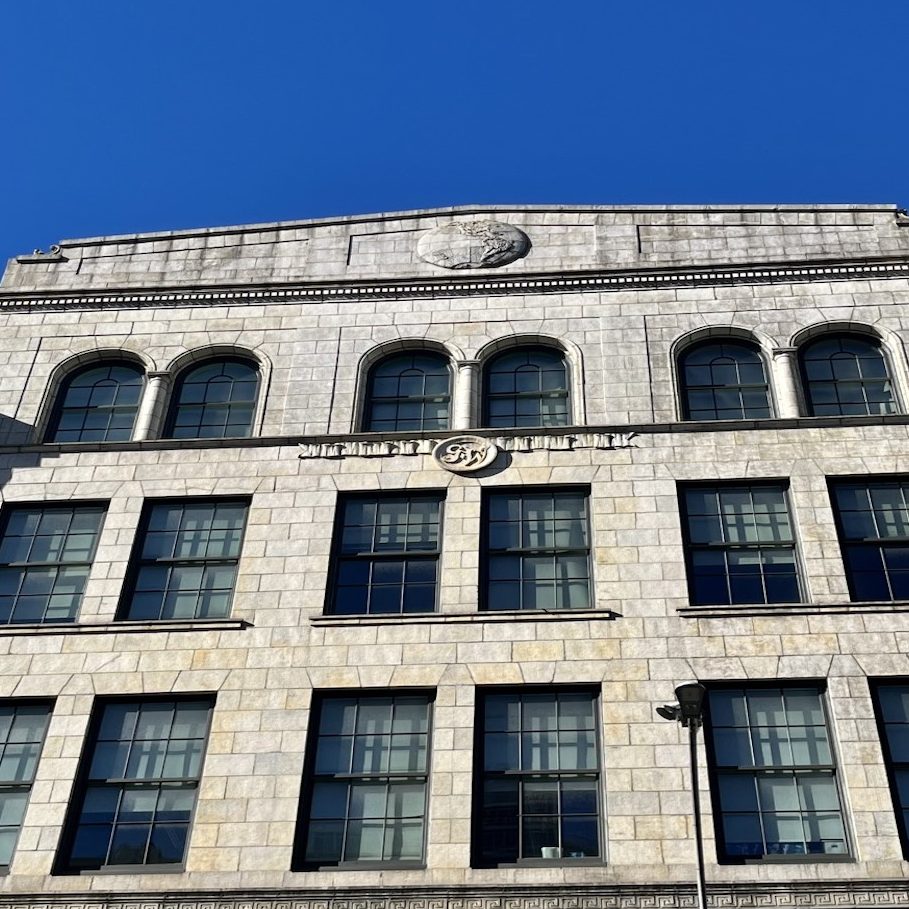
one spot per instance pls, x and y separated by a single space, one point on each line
793 895
465 453
354 291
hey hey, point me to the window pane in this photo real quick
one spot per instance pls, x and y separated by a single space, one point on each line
214 400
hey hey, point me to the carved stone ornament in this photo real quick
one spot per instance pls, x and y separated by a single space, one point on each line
465 454
473 244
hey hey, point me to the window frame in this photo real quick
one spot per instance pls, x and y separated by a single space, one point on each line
874 341
875 684
529 349
52 425
62 865
49 704
480 774
487 494
136 563
337 556
689 546
174 403
877 543
299 861
8 508
365 421
685 388
835 769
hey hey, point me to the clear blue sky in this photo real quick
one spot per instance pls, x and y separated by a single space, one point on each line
140 115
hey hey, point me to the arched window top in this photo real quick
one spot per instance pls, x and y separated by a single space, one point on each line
846 375
97 403
724 380
408 392
527 386
215 399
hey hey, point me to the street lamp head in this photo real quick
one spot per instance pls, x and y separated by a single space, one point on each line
691 702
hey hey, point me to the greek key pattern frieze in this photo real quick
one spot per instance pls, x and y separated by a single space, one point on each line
796 895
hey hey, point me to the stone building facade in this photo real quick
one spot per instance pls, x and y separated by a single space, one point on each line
344 563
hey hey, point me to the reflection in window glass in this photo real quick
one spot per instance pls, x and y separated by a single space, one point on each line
538 777
408 392
22 730
538 550
216 400
740 545
775 777
140 785
846 375
526 387
46 553
98 404
873 520
187 564
724 380
387 555
367 801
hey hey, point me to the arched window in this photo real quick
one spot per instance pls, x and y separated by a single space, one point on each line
846 375
724 380
526 387
215 400
97 403
409 391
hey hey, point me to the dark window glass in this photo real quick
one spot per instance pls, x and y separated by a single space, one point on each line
891 703
739 545
846 375
774 777
97 404
22 730
873 520
216 400
46 553
526 387
186 559
408 392
366 794
386 555
537 550
724 380
537 781
139 784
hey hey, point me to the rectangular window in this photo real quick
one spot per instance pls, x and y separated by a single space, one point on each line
739 544
537 549
773 774
46 553
386 554
873 524
891 705
138 786
365 794
185 560
22 730
537 784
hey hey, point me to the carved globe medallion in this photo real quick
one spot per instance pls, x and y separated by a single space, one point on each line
465 454
473 244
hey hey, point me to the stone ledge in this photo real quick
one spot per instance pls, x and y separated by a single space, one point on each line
167 625
497 615
807 609
797 895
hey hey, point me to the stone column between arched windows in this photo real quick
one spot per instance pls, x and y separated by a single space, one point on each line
466 394
151 410
785 381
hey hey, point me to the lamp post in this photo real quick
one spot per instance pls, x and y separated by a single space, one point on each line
689 711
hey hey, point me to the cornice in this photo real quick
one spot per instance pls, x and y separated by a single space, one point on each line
754 895
560 282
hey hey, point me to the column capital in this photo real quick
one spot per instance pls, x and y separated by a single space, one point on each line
467 364
158 374
784 351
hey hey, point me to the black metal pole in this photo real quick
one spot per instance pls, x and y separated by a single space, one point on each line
696 799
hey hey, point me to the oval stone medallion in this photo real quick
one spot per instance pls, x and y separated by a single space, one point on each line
473 244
